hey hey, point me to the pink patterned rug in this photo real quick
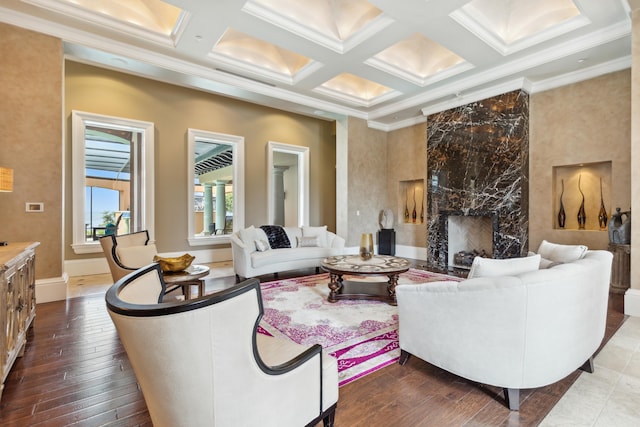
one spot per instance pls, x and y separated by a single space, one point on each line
362 335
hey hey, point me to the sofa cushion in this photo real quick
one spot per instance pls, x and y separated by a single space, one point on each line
489 267
136 256
293 233
283 255
561 253
321 232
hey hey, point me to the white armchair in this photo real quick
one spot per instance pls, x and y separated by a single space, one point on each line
514 331
202 362
127 252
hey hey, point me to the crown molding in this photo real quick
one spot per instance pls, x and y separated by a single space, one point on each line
581 75
400 124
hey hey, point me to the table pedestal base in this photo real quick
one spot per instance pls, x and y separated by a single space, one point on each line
376 291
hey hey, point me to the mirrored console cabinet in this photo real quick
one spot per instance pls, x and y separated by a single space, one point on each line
17 301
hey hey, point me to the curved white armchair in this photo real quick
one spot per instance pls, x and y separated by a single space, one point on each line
515 332
202 362
127 252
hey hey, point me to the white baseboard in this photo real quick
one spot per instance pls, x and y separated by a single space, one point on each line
632 302
53 289
411 252
84 267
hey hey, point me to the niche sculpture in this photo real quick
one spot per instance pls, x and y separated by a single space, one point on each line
386 219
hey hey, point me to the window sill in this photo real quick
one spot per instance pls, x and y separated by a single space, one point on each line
209 240
87 248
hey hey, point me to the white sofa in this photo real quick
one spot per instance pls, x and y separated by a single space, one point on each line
516 330
252 255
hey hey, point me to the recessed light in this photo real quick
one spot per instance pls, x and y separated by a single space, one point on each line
581 60
198 37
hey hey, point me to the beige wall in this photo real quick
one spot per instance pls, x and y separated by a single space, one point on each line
173 110
30 119
367 179
407 161
585 122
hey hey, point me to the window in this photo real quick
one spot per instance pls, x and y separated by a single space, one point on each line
216 186
112 178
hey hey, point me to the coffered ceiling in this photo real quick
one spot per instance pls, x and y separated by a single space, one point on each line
390 62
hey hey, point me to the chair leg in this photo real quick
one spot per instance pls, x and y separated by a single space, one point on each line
329 419
404 357
317 270
588 366
512 397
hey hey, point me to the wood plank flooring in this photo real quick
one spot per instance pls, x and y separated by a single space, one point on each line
75 372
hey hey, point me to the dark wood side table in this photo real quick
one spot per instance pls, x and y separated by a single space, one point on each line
621 268
191 276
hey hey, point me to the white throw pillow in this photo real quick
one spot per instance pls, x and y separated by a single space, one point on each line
308 242
561 253
136 256
262 245
489 267
544 263
248 235
321 232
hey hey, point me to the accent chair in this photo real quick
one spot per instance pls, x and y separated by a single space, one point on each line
203 362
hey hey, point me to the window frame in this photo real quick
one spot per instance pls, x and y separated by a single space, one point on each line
145 199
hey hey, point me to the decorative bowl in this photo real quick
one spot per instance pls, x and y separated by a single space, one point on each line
174 264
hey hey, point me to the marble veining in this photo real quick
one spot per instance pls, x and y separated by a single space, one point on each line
477 164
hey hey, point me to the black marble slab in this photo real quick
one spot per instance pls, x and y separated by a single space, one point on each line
478 162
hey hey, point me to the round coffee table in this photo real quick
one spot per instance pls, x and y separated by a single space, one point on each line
191 276
379 265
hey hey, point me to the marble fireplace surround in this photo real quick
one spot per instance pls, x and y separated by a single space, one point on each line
477 165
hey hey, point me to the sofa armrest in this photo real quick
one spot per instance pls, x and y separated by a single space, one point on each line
241 256
334 241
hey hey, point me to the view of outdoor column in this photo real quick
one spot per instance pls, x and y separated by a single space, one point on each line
208 209
221 212
278 194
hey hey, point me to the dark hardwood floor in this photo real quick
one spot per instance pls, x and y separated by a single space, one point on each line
75 372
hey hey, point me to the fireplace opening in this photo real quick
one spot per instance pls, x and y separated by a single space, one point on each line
468 237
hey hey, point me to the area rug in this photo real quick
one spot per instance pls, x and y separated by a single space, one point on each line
362 335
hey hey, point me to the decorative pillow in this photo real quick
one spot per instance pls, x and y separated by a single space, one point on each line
489 267
247 235
308 242
561 253
136 256
262 245
545 263
321 232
